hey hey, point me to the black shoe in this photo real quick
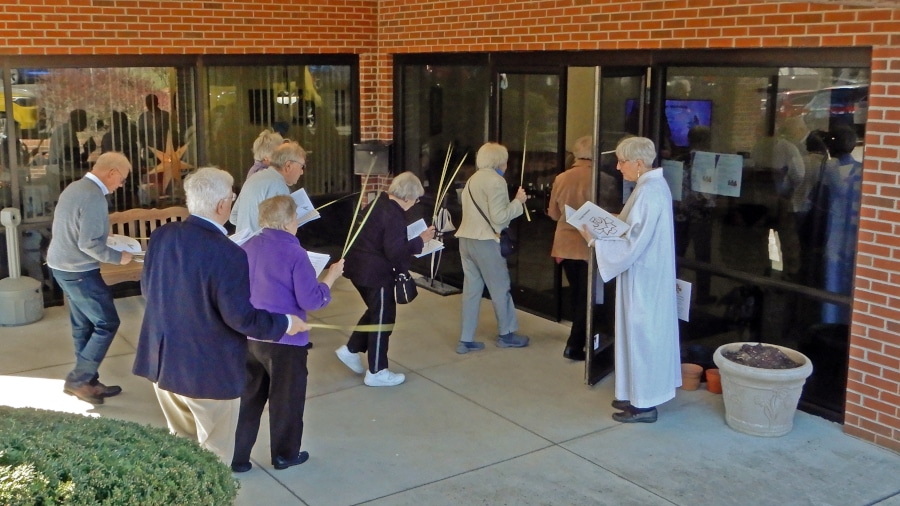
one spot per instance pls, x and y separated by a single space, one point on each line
241 467
574 353
621 405
631 416
281 463
105 391
85 392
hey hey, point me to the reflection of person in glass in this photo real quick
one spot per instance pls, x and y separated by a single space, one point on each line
573 188
843 178
122 137
693 216
153 127
648 368
66 153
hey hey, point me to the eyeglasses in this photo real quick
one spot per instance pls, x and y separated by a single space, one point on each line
621 162
302 164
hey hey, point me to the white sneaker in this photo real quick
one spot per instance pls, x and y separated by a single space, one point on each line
350 359
384 378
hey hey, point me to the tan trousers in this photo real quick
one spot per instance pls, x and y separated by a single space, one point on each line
211 422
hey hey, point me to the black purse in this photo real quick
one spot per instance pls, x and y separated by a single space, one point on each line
509 244
405 289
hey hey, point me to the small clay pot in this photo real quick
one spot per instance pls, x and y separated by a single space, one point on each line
713 381
690 376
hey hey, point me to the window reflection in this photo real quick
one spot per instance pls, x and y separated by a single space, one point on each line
765 167
309 104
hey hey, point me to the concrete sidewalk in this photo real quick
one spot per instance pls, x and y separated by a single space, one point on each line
498 426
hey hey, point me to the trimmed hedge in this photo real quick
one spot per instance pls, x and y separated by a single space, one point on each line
59 458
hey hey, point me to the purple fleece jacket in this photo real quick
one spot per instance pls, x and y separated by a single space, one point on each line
282 279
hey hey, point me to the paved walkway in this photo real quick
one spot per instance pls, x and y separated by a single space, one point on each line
499 426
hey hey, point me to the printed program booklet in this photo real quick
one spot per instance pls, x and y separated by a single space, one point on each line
600 222
306 211
416 228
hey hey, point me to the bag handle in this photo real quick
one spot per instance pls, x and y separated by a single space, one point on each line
480 211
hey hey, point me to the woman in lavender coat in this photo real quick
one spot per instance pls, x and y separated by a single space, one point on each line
281 276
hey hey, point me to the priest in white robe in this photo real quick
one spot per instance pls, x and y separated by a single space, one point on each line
648 368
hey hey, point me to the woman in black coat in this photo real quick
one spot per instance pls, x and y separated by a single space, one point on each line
380 250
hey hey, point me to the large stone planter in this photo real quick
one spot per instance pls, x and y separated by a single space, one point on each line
761 402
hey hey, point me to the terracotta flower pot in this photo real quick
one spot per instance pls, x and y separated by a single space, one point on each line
690 376
713 381
761 402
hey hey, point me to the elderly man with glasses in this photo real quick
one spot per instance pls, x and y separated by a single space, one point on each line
286 165
78 246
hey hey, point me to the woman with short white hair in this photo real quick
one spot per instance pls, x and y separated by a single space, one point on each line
263 147
380 251
648 359
487 210
282 279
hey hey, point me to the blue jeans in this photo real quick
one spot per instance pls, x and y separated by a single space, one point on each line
94 321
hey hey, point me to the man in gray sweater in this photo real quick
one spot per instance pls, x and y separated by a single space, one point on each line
77 246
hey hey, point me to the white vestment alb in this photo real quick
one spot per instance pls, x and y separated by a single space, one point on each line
648 359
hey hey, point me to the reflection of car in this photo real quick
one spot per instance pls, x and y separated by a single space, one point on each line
838 105
26 76
827 108
25 109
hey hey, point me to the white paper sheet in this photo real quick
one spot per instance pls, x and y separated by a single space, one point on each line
242 236
673 172
414 229
600 222
318 261
430 247
124 243
306 211
683 299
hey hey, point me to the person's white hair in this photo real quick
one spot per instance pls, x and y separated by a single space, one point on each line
276 212
406 186
583 148
286 152
265 144
204 189
637 148
491 156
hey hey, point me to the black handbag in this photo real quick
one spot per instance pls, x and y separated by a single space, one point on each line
405 289
509 244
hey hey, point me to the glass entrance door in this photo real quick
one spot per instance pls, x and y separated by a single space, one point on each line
529 126
621 113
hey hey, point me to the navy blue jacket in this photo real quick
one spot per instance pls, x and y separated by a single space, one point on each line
381 246
193 338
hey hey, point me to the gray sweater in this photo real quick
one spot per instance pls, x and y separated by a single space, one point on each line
80 228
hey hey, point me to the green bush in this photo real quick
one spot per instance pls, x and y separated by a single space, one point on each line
59 458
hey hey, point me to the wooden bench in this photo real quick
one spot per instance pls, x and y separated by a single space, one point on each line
139 224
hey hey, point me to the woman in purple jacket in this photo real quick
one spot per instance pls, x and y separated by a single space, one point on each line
381 249
281 276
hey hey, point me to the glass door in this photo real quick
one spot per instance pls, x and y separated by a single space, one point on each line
529 118
621 113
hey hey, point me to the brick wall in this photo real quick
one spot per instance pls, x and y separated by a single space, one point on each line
375 30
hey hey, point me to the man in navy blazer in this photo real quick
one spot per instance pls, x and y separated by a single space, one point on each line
193 343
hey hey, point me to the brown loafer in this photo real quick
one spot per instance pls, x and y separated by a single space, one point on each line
85 392
106 391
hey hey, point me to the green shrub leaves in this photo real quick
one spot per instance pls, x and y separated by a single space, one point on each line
59 458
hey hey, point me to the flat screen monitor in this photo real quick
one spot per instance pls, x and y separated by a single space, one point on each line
681 116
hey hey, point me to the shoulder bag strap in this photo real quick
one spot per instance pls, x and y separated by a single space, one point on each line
480 211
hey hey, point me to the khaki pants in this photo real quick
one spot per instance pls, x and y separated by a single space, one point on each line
211 422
